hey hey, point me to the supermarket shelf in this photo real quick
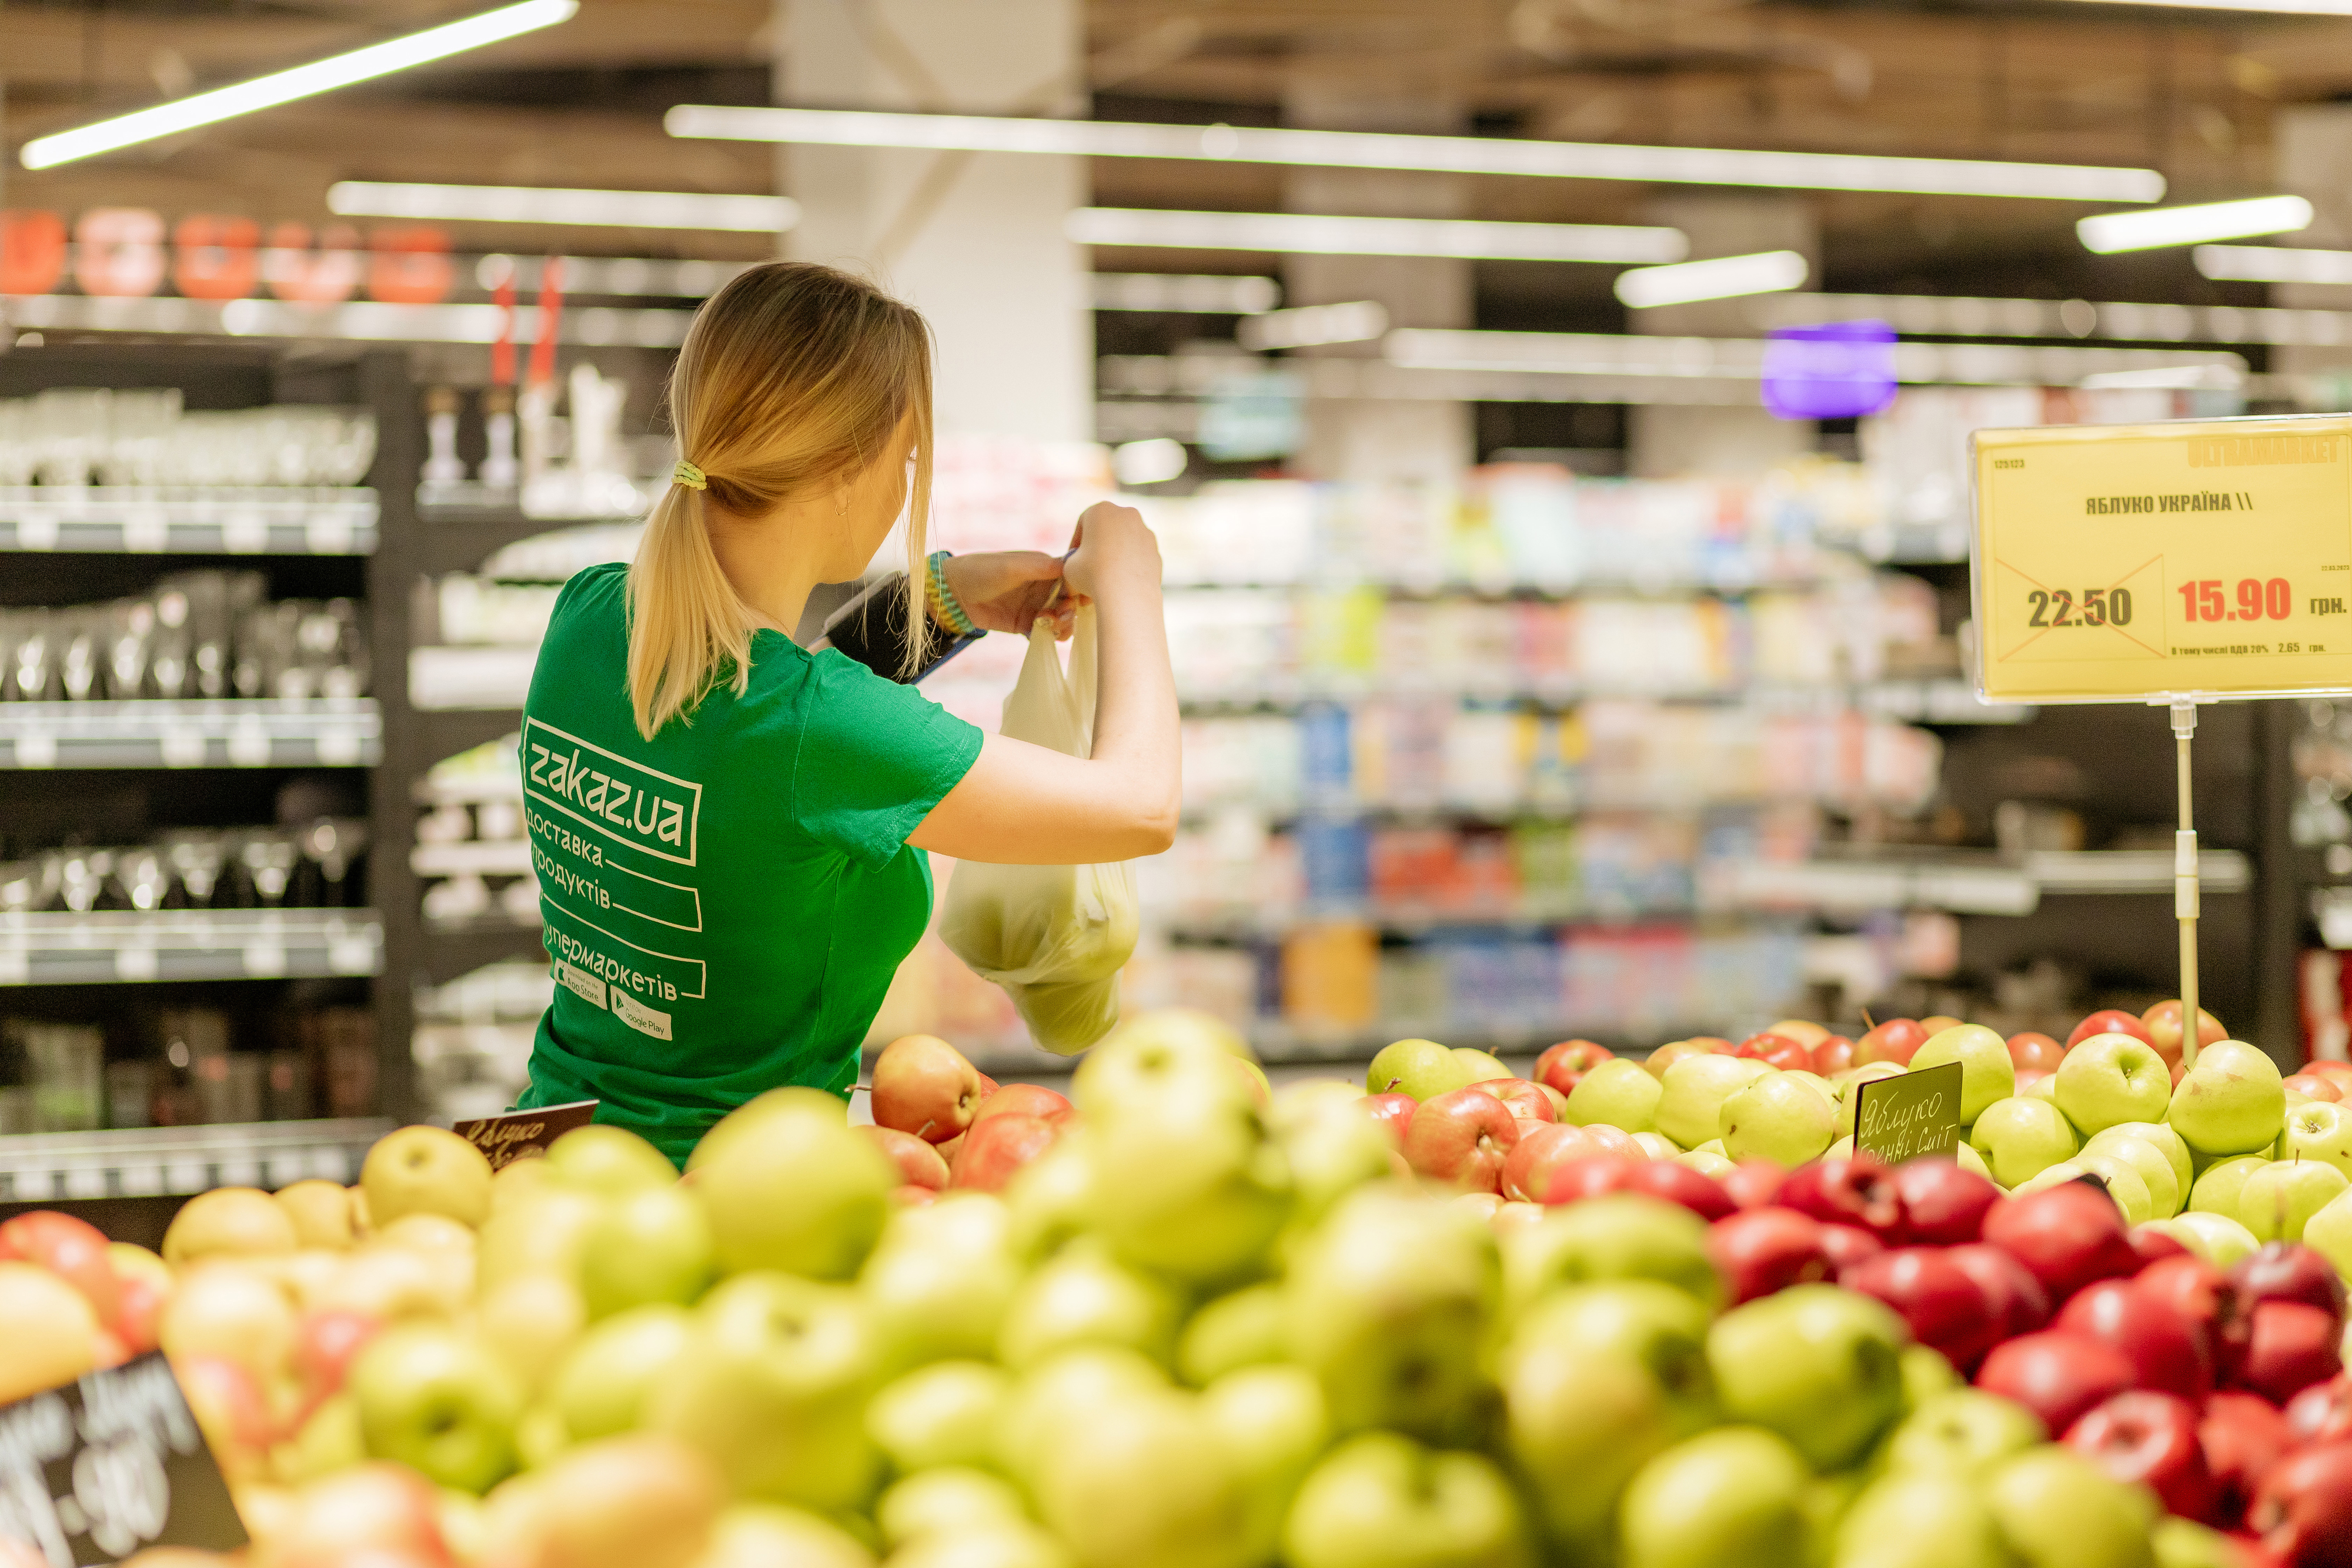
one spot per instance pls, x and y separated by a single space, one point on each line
116 519
449 954
1243 922
153 1162
492 677
477 857
108 947
1914 702
324 732
1975 885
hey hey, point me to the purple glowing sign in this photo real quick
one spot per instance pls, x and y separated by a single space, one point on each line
1841 370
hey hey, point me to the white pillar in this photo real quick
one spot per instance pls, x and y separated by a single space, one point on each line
2313 154
1665 441
974 241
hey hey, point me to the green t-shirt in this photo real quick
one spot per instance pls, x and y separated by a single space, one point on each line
726 902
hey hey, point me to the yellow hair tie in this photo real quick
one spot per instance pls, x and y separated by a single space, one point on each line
687 474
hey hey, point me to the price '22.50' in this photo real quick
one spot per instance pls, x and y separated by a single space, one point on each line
2095 607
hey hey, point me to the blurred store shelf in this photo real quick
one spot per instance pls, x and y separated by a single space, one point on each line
149 1162
323 732
1966 883
475 857
105 946
101 518
1916 702
465 678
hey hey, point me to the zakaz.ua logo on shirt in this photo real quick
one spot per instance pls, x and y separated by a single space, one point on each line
622 799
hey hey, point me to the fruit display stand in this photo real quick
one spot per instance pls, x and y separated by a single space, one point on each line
1656 1314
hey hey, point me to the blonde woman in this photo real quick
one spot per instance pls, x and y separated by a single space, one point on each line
724 822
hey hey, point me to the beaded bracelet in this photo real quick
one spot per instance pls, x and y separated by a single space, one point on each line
945 607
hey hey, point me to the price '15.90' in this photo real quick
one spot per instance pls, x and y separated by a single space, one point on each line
2257 600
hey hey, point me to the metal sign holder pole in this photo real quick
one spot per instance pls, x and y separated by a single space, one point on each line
2184 878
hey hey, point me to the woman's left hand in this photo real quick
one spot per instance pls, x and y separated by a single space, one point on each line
1006 590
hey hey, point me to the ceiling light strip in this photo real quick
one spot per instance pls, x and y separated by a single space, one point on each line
575 208
1441 154
2109 234
1938 316
2272 262
1318 233
362 320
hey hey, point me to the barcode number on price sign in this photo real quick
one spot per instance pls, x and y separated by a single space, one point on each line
2126 561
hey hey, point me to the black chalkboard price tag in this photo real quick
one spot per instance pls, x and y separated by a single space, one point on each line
1909 1114
508 1138
110 1463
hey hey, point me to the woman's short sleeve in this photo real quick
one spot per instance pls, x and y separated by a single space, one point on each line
875 756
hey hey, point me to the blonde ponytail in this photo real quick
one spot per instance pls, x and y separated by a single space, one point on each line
793 377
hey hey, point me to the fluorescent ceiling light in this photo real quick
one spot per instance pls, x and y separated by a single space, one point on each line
366 320
1308 326
2272 262
1321 234
1213 294
533 205
2111 232
1719 277
1443 154
301 82
2264 8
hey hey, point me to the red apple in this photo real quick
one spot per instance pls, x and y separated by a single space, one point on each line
2016 1297
924 1086
1564 1065
2243 1436
1848 1190
2151 1439
2289 1347
2336 1073
1893 1040
2302 1508
1389 1113
1541 1150
2035 1050
2166 1348
2109 1021
73 1250
995 1150
1943 1205
1848 1245
2155 1246
1833 1054
919 1162
1527 1100
1752 1184
374 1513
2162 1022
1762 1250
2067 1236
1935 1296
1462 1136
139 1321
2193 1288
1589 1178
1666 1055
326 1339
2314 1086
1024 1100
1772 1049
2323 1412
2058 1376
2283 1271
1713 1044
1804 1031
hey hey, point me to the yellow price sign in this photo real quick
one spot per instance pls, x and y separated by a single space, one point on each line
2206 557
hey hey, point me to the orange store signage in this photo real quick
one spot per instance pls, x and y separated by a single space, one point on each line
131 253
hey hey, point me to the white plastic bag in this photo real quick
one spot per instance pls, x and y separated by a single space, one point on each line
1055 937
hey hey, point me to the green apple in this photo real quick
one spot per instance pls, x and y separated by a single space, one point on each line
1241 1329
2279 1199
1273 1425
1309 1099
2058 1509
1969 1160
425 1170
953 1500
1812 1080
1483 1067
2216 1238
1926 1375
1657 1145
1596 1380
2043 1088
1843 1149
1918 1519
1083 1295
610 1162
1777 1118
1820 1365
544 1232
2181 1542
1868 1073
2159 1135
2129 1193
1419 1068
2144 1161
943 1414
1051 1196
2233 1101
1192 1186
652 1244
1964 1433
2318 1130
1735 1495
773 1390
1690 1105
940 1282
1617 1094
2218 1186
1331 1154
1150 1483
601 1387
433 1398
998 1545
1387 1302
789 1185
2112 1078
1618 1235
1052 1404
2329 1233
328 1440
1380 1501
1138 1069
1707 1162
1987 1075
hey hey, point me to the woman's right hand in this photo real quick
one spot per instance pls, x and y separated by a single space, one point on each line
1115 550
